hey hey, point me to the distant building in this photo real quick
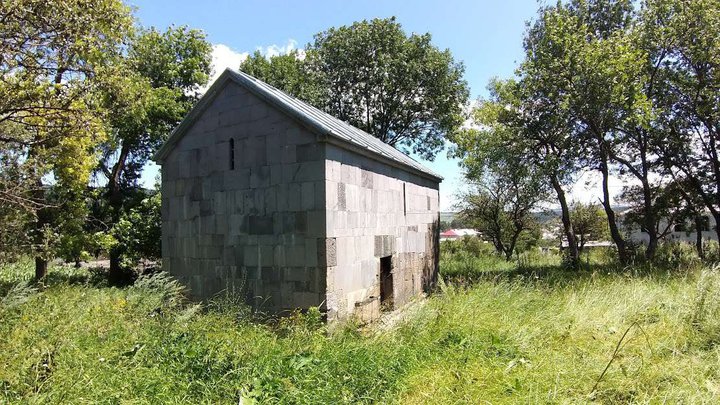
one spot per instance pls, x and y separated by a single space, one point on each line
266 196
451 234
679 232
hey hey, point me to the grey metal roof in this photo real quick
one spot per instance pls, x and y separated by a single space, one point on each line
319 120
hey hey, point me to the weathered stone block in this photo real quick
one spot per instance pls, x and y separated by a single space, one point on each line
316 223
288 154
367 179
260 225
266 256
310 171
341 201
270 274
260 177
308 196
294 197
311 253
275 175
310 152
279 255
306 299
295 274
295 255
251 256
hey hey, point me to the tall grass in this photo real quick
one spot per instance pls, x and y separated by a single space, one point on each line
545 336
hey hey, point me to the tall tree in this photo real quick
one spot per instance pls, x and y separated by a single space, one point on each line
581 53
159 80
691 117
398 87
52 54
517 122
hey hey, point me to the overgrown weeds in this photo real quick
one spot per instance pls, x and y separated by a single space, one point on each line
530 333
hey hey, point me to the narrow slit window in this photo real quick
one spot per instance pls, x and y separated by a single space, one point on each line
404 201
232 154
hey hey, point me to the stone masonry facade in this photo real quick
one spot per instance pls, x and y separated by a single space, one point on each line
375 211
255 203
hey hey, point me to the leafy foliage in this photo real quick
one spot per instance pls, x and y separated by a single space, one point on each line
155 85
137 233
623 88
501 209
54 56
589 222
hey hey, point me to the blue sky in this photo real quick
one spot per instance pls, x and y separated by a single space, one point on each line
485 35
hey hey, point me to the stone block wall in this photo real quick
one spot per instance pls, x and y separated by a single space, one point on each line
375 210
255 226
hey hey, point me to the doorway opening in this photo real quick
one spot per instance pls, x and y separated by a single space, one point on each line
386 284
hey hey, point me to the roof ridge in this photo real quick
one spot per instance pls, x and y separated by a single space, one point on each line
333 125
324 123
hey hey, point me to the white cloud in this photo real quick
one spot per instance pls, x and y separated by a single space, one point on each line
225 57
276 50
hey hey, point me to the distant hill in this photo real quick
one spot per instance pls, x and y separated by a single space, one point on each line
542 217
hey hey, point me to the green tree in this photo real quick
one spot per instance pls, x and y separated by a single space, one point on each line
156 84
587 55
53 55
691 95
287 72
502 206
520 121
138 233
589 222
398 87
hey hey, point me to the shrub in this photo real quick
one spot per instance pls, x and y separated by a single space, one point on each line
137 234
676 255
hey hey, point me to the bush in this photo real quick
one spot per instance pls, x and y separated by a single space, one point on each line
677 256
138 233
469 245
712 251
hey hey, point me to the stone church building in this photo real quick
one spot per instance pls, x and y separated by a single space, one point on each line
266 196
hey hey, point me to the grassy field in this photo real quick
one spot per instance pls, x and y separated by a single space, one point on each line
493 333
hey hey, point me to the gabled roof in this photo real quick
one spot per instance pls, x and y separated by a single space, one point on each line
321 122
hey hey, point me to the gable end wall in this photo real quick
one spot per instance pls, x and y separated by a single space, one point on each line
254 230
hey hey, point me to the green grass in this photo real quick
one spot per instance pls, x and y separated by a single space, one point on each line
495 332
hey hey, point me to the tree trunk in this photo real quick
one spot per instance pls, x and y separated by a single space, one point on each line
116 201
511 249
716 216
650 221
114 192
573 252
43 218
698 236
612 224
41 268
